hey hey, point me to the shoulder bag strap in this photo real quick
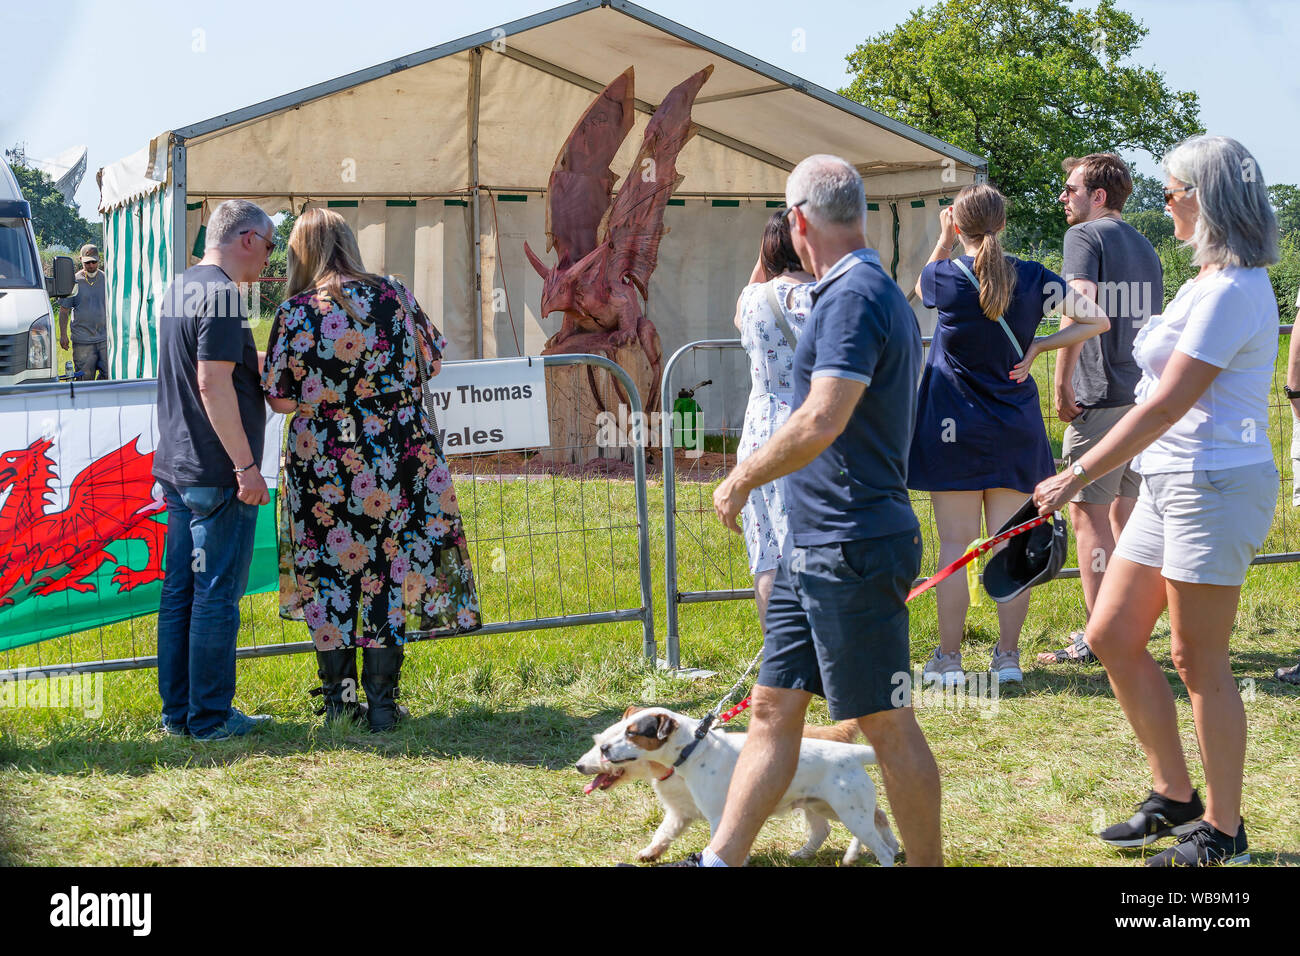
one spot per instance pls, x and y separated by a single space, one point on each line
775 303
1020 353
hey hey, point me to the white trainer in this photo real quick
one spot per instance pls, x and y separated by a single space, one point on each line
1005 666
945 668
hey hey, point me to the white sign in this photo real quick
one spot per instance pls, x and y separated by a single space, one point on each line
491 405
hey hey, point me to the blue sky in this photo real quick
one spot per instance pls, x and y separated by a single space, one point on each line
111 75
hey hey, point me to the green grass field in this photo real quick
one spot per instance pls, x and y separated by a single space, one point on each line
484 773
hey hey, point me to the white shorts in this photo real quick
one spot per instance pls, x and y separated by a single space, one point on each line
1202 527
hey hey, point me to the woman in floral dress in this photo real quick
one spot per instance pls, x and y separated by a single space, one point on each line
372 551
778 274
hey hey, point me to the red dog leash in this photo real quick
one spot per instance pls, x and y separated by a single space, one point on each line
974 553
981 548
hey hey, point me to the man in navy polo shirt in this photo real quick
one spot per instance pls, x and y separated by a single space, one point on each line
837 622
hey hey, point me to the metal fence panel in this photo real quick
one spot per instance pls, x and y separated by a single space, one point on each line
552 546
714 561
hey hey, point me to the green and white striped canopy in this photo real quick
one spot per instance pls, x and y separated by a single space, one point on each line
138 260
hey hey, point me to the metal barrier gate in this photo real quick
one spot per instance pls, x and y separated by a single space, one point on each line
732 551
589 519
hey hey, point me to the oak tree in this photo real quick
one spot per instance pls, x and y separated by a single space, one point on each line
1024 83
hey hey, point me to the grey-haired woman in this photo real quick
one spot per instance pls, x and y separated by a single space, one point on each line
1209 487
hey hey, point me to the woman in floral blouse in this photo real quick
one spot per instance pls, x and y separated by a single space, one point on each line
372 552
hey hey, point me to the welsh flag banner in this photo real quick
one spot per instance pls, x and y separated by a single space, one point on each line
82 525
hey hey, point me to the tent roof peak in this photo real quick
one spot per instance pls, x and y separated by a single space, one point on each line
770 80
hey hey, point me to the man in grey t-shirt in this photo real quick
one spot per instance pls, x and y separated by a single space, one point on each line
1113 264
89 342
211 422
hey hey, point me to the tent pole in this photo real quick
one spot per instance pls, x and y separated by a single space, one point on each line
475 77
180 239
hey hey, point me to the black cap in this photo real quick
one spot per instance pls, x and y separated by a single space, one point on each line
1030 558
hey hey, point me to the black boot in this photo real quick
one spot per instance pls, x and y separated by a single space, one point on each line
381 667
337 670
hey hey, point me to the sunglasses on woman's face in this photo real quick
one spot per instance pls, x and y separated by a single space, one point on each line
1171 193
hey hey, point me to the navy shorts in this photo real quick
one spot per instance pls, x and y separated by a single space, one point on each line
837 623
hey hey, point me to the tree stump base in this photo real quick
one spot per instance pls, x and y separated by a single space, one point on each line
583 428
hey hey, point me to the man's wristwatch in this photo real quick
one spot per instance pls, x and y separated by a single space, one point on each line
240 471
1080 473
1291 393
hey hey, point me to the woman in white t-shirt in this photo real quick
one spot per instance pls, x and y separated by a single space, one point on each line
1209 488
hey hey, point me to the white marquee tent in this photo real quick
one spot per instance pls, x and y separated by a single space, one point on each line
440 161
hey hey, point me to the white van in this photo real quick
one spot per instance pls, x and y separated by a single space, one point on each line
26 320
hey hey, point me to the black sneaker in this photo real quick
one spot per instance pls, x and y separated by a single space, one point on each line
1205 846
1156 818
695 859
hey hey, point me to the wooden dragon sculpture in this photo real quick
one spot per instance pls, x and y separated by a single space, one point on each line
607 249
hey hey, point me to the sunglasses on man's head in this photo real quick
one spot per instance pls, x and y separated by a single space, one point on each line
794 206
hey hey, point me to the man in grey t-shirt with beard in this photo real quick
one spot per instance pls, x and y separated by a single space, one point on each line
1110 262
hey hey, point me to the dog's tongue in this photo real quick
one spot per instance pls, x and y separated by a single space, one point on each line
596 783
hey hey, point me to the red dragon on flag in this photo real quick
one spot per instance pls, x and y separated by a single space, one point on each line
111 499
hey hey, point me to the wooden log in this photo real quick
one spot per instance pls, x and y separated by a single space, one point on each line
579 430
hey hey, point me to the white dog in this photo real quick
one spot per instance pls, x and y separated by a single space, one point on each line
829 784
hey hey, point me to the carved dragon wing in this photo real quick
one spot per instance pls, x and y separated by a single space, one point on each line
634 224
581 183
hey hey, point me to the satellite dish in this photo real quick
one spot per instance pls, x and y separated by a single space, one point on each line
67 170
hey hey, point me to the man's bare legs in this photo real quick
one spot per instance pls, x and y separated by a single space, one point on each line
1094 534
1121 509
763 773
1096 530
767 765
911 781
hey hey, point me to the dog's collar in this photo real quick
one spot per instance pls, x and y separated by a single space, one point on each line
700 731
686 752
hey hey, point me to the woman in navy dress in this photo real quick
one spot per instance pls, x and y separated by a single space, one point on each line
980 444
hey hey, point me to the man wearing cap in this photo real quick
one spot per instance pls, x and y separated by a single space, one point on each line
89 342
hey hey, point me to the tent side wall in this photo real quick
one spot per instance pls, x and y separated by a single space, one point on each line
138 259
428 244
440 163
704 260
